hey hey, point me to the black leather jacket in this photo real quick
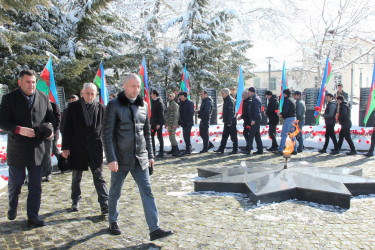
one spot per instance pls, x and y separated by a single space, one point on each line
205 110
229 117
126 133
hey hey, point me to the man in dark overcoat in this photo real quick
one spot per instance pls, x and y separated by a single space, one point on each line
22 111
204 113
81 140
273 119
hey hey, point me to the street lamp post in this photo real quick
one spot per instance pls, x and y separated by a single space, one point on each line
269 71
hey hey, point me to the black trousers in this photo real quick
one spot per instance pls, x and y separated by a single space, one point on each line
99 183
246 135
47 161
204 133
17 177
272 134
160 138
372 146
232 131
330 133
186 131
345 133
255 133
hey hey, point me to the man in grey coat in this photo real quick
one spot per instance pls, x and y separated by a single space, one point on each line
127 145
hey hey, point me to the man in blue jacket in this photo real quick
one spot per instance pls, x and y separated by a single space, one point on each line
255 116
288 113
186 119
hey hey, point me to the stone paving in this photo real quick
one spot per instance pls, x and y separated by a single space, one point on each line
200 220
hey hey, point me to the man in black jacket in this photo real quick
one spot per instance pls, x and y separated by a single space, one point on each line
246 103
230 122
370 151
157 121
186 119
81 141
300 112
273 119
255 116
346 124
204 114
129 149
288 113
21 112
330 120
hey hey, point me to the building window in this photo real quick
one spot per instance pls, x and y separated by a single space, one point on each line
257 82
273 83
338 79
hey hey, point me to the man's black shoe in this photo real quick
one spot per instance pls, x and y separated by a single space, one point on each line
203 151
299 150
294 152
335 152
258 152
352 153
160 155
158 234
36 221
245 151
114 228
369 154
210 145
322 151
104 209
277 152
75 207
272 149
220 151
187 152
233 152
12 214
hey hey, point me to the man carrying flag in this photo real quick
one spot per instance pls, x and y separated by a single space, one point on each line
370 109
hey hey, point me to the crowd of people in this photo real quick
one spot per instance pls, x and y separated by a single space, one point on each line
126 134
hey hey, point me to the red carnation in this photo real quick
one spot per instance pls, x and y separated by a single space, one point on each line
262 108
277 111
317 109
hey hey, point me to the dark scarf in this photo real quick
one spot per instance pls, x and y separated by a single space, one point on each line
125 101
88 112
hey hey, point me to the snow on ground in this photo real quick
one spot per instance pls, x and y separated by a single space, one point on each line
313 140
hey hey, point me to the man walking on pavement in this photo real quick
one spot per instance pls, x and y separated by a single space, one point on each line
255 116
157 121
129 150
204 114
24 114
186 119
330 120
230 122
246 122
346 124
273 119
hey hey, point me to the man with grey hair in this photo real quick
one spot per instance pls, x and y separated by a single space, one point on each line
128 149
230 122
81 141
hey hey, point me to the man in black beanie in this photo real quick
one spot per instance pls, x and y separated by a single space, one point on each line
273 119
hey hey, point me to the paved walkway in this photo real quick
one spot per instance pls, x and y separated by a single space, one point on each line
201 221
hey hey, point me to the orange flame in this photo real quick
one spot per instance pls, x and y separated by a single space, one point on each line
290 142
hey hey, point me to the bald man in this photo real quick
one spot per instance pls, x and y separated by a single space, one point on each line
128 148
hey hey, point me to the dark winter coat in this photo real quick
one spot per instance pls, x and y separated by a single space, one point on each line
343 94
229 117
126 133
344 116
300 110
83 141
255 111
157 112
186 113
330 113
14 111
273 105
245 111
205 110
289 108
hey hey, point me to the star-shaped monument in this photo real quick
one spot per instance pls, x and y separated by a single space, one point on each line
272 183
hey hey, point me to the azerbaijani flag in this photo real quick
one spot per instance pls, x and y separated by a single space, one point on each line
284 85
144 87
47 82
371 101
322 93
240 89
185 82
102 84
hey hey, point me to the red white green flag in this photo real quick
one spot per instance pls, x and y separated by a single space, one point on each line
145 91
47 82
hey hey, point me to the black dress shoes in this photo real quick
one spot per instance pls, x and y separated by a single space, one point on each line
12 214
75 207
36 221
233 152
160 233
220 151
369 154
114 228
258 153
104 209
